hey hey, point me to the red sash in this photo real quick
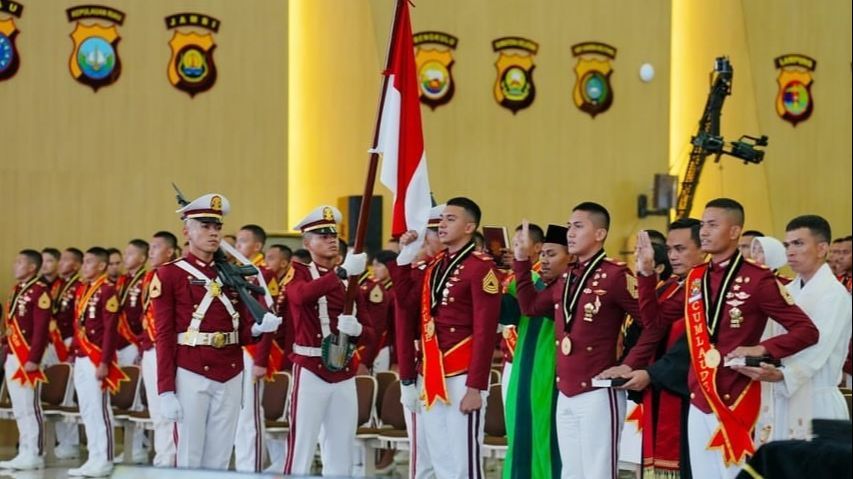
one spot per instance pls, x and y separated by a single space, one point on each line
510 338
734 434
114 373
56 291
18 343
275 358
123 286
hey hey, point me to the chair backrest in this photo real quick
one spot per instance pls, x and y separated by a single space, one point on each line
275 396
392 409
365 388
494 377
53 391
383 380
495 423
126 394
5 401
848 398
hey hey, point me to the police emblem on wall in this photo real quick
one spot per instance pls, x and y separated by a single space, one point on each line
94 59
514 88
593 93
433 60
794 102
9 60
191 67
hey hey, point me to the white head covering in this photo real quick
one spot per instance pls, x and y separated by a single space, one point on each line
774 252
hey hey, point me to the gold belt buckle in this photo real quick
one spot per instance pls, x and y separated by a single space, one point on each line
218 340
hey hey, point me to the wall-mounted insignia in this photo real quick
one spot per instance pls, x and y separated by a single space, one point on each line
95 61
794 101
514 87
191 66
592 92
434 60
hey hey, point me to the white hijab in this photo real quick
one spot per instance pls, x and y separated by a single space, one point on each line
774 252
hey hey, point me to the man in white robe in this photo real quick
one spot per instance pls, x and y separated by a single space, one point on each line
806 386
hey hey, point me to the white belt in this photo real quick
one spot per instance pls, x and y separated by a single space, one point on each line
307 351
217 340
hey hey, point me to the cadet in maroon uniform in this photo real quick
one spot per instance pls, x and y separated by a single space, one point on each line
129 292
163 248
201 325
278 258
27 319
589 306
323 404
728 301
249 441
459 308
407 339
378 289
96 373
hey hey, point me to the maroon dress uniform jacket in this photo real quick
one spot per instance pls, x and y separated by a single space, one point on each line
470 308
174 299
102 329
32 312
381 305
758 295
594 343
63 311
407 310
131 307
302 295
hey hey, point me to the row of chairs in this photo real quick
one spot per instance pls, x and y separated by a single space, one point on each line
380 414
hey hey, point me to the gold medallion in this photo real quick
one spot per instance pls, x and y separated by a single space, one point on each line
712 358
566 346
430 329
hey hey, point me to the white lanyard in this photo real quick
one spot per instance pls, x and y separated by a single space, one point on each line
323 303
212 292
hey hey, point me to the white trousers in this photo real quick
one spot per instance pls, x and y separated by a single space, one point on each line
506 374
205 434
249 441
126 356
67 434
420 463
164 431
382 361
454 437
706 463
26 406
321 411
588 430
96 412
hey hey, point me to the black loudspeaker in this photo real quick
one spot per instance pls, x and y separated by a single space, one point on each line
350 207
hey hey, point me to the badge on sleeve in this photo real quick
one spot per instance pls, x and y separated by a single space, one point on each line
785 294
112 304
44 301
491 285
154 289
631 281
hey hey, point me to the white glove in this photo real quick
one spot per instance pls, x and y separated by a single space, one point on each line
269 324
349 325
170 408
355 263
410 397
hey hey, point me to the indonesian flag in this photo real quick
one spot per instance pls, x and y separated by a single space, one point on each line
401 140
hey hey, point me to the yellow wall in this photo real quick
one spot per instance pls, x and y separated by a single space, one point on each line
82 168
807 168
539 162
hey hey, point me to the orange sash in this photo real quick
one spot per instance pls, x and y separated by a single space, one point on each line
436 366
510 337
734 434
58 344
114 373
123 286
18 343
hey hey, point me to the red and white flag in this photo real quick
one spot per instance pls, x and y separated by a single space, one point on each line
401 139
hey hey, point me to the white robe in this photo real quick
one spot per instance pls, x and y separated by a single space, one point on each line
811 377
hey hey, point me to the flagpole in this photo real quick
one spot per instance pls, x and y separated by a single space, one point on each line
367 196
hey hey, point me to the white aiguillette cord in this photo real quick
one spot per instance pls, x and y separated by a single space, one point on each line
224 245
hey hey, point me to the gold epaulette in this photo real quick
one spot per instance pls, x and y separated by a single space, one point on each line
482 256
